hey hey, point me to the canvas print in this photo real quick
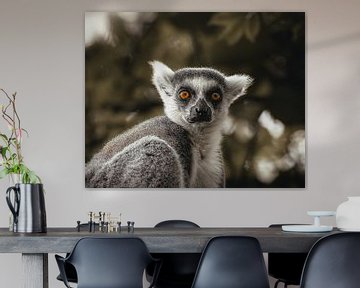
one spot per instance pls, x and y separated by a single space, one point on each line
195 100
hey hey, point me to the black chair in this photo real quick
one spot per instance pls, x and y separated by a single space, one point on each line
108 263
178 269
70 273
69 269
232 262
333 262
286 267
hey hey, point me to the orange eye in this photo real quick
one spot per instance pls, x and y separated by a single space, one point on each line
184 95
215 97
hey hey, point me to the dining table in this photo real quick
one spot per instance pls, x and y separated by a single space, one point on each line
35 247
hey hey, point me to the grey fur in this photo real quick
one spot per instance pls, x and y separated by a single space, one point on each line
181 75
143 162
181 149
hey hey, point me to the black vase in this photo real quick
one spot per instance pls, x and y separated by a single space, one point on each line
28 208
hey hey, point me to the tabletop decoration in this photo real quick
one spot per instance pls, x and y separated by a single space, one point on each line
25 197
12 160
348 214
315 227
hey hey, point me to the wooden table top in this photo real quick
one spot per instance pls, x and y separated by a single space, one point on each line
158 240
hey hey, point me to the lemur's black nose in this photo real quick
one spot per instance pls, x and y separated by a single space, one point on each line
200 112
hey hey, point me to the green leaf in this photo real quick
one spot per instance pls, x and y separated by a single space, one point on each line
34 178
15 169
4 137
3 151
27 175
27 133
25 178
4 173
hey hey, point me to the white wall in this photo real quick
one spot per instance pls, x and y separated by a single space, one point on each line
42 58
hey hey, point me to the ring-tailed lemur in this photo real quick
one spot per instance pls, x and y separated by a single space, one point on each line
181 149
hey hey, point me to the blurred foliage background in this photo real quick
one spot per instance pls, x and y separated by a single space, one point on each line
265 145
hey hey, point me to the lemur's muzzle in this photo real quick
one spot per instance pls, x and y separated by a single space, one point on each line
200 112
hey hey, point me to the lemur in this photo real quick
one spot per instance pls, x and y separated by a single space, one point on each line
180 149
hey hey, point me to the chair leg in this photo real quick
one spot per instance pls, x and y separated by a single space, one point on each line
278 282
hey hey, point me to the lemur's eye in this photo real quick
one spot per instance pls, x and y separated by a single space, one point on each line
215 97
184 95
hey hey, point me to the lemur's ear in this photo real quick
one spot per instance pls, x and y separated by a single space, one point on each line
236 85
162 76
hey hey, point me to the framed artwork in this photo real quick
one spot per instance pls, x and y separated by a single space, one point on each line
195 100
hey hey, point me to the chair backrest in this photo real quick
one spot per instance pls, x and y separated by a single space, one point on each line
178 269
110 262
232 262
176 224
333 262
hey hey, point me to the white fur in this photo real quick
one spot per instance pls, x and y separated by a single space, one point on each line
171 109
207 169
238 85
162 75
207 163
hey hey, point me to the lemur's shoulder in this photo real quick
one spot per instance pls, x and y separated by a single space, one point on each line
157 129
148 162
161 127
